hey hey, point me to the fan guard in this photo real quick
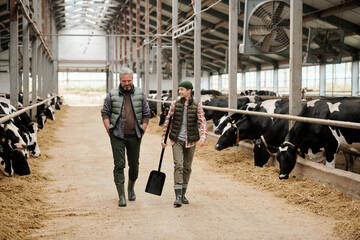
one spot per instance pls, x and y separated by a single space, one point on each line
269 26
324 46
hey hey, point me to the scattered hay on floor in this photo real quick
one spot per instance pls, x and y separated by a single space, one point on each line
22 198
317 198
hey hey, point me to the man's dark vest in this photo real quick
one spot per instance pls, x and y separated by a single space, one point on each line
117 100
192 126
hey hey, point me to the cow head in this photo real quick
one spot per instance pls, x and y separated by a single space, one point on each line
41 120
20 164
13 161
32 145
286 156
228 138
6 167
262 152
224 121
12 136
49 112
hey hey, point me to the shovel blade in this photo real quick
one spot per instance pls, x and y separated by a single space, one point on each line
155 183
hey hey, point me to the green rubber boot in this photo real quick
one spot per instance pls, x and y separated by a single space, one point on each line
131 192
184 200
178 200
121 192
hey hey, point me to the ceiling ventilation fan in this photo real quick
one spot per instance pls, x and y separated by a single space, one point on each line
324 45
266 26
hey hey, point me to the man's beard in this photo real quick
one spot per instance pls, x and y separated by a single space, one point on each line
127 88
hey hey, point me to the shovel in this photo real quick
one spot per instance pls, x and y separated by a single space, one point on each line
156 179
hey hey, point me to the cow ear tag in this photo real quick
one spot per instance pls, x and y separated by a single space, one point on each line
298 150
233 121
3 139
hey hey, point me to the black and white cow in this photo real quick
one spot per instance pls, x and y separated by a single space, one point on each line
226 121
223 102
13 158
258 93
273 136
43 112
164 107
26 128
250 126
305 136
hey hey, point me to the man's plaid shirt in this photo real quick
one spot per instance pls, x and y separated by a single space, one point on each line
201 122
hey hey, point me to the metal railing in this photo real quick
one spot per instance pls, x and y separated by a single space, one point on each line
335 123
17 113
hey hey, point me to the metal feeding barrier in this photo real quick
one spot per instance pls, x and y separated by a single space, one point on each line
17 113
335 123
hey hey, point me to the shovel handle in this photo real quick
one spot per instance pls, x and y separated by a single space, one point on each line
162 151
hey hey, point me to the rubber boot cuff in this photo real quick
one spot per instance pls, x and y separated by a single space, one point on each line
121 193
131 192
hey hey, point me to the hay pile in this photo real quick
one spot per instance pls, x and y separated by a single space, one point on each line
317 198
22 198
302 192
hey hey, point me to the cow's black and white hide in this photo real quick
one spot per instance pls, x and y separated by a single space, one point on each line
305 136
249 126
223 102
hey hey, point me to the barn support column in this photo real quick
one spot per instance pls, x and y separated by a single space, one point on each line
276 80
147 66
296 20
49 76
107 49
159 56
111 58
131 43
125 38
120 43
322 77
355 79
233 57
220 82
13 52
45 76
243 81
34 73
174 54
40 70
116 43
197 51
26 60
54 65
138 70
258 79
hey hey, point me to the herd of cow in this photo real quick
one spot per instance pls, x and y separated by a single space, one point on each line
272 135
19 135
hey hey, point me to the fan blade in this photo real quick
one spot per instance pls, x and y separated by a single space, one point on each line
281 35
262 14
258 30
319 41
284 23
269 38
278 12
333 50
